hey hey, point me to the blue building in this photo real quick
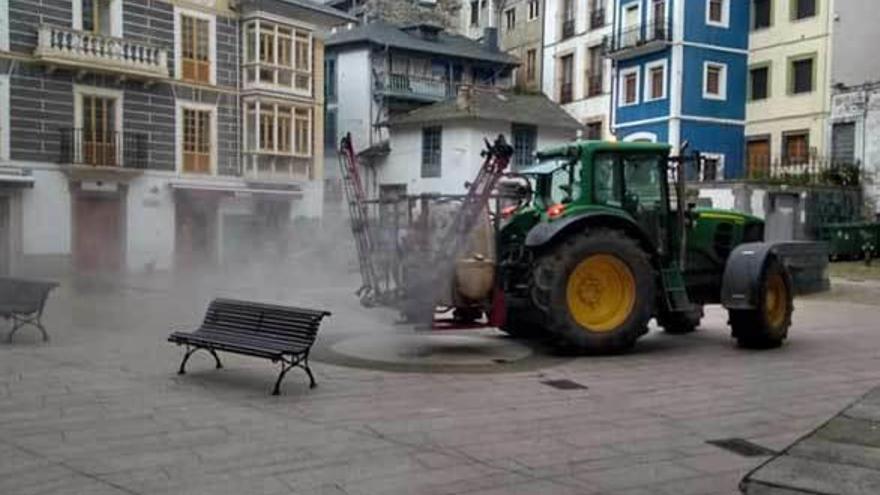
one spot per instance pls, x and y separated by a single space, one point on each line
680 71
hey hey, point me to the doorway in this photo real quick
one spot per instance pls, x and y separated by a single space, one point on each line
98 233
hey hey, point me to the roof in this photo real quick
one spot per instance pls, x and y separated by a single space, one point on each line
493 105
409 38
323 9
305 10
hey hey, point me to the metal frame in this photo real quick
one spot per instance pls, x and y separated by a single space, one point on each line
20 320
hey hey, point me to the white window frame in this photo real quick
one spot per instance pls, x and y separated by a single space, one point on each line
5 121
537 10
79 91
722 83
621 102
510 26
115 16
719 173
725 15
637 5
212 42
4 25
179 106
647 85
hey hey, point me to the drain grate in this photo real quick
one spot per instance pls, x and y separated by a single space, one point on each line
564 384
742 447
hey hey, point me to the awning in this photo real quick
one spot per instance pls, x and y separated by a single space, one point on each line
232 188
15 178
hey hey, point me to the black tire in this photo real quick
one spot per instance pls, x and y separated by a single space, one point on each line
755 328
680 323
550 282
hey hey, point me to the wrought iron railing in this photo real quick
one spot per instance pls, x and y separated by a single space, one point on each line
594 83
638 36
111 149
812 170
81 48
597 18
567 28
416 86
565 93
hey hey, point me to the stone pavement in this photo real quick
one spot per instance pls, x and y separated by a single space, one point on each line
100 410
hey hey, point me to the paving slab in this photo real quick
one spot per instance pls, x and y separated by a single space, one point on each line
842 457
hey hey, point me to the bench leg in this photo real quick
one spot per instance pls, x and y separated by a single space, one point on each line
285 367
216 358
189 352
18 322
312 383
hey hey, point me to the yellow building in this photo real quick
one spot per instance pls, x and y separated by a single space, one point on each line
789 83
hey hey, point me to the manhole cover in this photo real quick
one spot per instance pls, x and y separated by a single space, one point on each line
741 446
564 384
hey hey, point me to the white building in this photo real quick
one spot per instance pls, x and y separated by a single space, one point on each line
436 149
575 72
855 133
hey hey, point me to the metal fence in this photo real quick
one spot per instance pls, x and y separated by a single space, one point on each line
107 149
636 36
809 171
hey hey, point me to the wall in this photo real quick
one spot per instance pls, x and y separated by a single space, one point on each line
46 214
354 100
854 30
861 106
461 144
150 220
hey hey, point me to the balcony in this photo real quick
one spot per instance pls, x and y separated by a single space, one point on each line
566 93
413 87
804 171
638 40
597 18
71 48
594 83
567 28
113 150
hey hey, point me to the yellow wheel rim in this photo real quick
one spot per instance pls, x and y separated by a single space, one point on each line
775 300
601 293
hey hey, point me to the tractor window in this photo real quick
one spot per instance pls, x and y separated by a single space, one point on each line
643 180
606 188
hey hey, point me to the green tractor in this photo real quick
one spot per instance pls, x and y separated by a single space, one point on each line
605 240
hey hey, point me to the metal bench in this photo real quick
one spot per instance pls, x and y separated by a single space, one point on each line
279 333
22 301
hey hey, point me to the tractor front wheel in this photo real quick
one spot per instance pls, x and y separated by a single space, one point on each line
767 325
680 322
596 291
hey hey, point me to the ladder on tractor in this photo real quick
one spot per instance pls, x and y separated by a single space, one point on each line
356 198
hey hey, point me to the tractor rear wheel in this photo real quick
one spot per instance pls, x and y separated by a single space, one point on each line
767 325
522 322
680 322
596 291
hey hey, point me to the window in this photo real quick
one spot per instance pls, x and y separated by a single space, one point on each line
757 156
302 132
606 185
534 9
196 141
762 14
711 167
431 137
330 83
593 130
97 126
566 79
510 18
330 139
595 66
196 46
4 117
643 181
795 147
4 25
525 140
475 13
655 81
803 9
279 136
759 83
843 143
656 29
629 86
714 81
801 75
718 13
281 56
531 64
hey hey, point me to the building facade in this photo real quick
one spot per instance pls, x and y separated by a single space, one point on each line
789 82
576 73
519 28
680 76
377 71
144 135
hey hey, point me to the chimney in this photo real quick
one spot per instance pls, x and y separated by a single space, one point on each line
490 38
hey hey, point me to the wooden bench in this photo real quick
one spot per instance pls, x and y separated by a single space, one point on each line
22 301
279 333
